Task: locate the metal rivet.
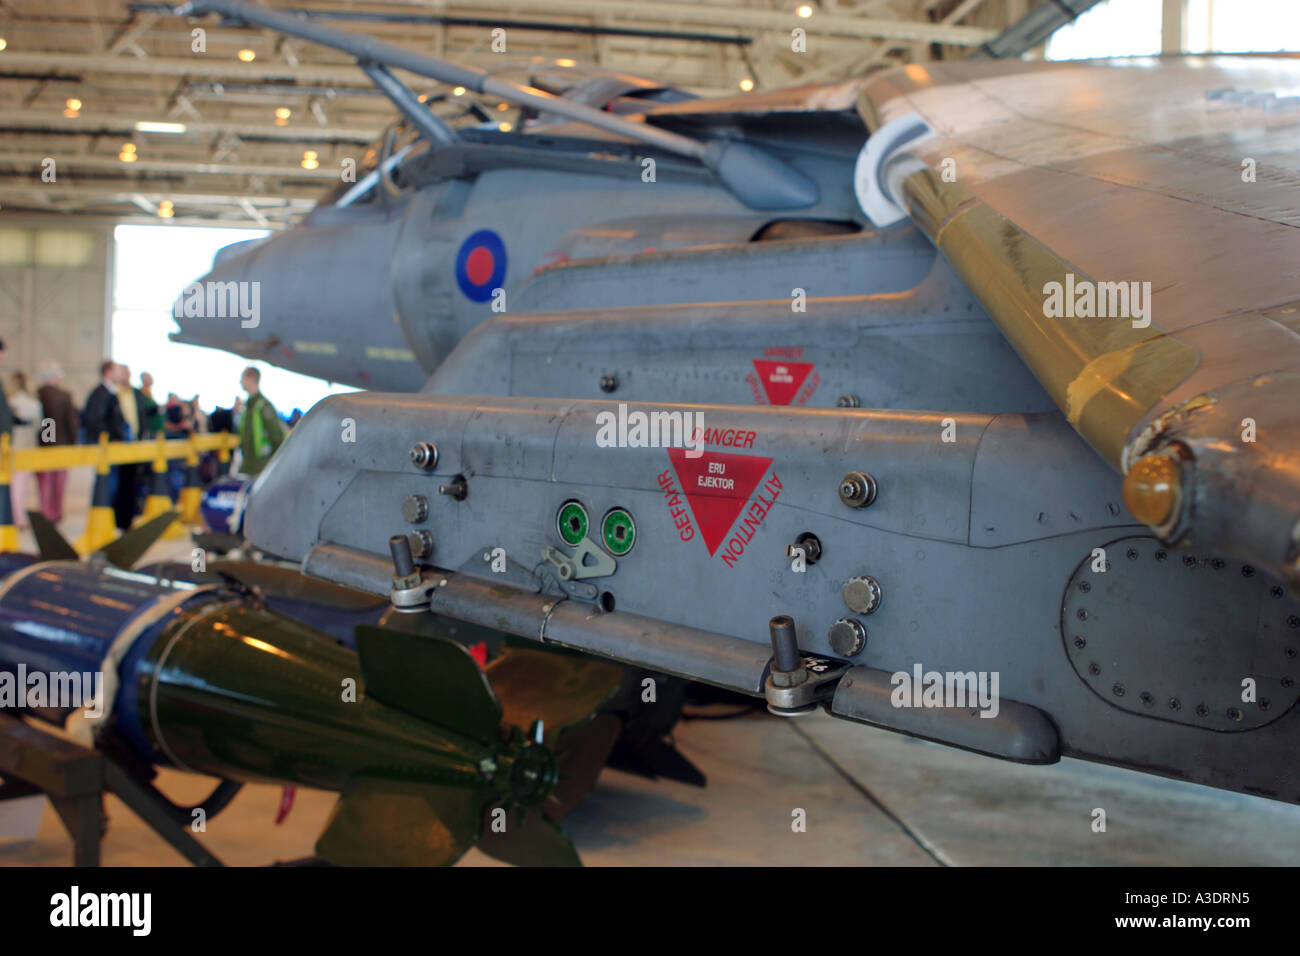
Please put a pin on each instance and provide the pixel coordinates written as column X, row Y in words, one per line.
column 857, row 489
column 424, row 455
column 608, row 383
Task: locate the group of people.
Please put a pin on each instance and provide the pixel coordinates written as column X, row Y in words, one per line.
column 125, row 412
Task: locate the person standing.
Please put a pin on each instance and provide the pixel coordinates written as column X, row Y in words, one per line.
column 6, row 416
column 260, row 430
column 103, row 416
column 27, row 415
column 58, row 427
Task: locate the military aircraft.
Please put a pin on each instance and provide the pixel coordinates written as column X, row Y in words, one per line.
column 1098, row 561
column 1048, row 506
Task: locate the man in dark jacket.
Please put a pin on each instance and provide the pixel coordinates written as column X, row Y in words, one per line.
column 103, row 415
column 103, row 412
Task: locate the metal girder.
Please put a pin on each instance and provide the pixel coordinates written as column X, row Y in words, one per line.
column 732, row 16
column 100, row 124
column 172, row 166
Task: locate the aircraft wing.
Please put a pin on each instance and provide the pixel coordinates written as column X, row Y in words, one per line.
column 1039, row 181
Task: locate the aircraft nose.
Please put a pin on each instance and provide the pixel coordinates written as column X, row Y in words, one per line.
column 223, row 309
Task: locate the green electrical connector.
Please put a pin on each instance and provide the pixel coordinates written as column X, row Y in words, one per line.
column 572, row 522
column 619, row 531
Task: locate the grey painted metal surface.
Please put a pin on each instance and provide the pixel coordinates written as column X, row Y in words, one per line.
column 975, row 542
column 931, row 346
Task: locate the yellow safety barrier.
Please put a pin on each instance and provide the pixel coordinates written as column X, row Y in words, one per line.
column 61, row 457
column 101, row 528
column 8, row 533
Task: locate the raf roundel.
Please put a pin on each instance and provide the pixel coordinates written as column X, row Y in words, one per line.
column 481, row 265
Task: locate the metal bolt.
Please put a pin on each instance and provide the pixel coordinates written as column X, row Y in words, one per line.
column 424, row 455
column 1275, row 591
column 1094, row 668
column 1085, row 587
column 1146, row 698
column 1217, row 564
column 785, row 644
column 608, row 383
column 1118, row 690
column 1293, row 622
column 1189, row 561
column 421, row 543
column 809, row 544
column 1290, row 652
column 848, row 401
column 1202, row 710
column 1264, row 703
column 415, row 508
column 1131, row 554
column 457, row 489
column 857, row 489
column 1287, row 681
column 862, row 594
column 1082, row 614
column 1162, row 555
column 1247, row 571
column 1234, row 713
column 1079, row 642
column 1175, row 704
column 403, row 562
column 848, row 636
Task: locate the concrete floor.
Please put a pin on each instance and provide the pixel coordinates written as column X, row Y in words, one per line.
column 869, row 798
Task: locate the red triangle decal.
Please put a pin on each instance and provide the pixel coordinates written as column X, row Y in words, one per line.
column 781, row 380
column 717, row 485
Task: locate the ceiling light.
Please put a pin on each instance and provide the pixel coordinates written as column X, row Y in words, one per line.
column 165, row 209
column 248, row 56
column 505, row 127
column 803, row 10
column 283, row 113
column 146, row 126
column 309, row 160
column 746, row 84
column 3, row 43
column 458, row 91
column 503, row 106
column 73, row 104
column 565, row 61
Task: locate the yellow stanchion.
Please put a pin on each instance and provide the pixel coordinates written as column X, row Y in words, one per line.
column 101, row 529
column 159, row 500
column 191, row 497
column 8, row 533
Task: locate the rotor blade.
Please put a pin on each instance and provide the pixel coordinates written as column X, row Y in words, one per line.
column 529, row 839
column 559, row 688
column 432, row 678
column 51, row 545
column 581, row 753
column 396, row 823
column 130, row 548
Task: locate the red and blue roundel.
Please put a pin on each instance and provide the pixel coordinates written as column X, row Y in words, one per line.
column 481, row 265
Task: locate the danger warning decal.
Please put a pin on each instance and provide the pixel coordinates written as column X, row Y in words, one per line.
column 718, row 487
column 777, row 380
